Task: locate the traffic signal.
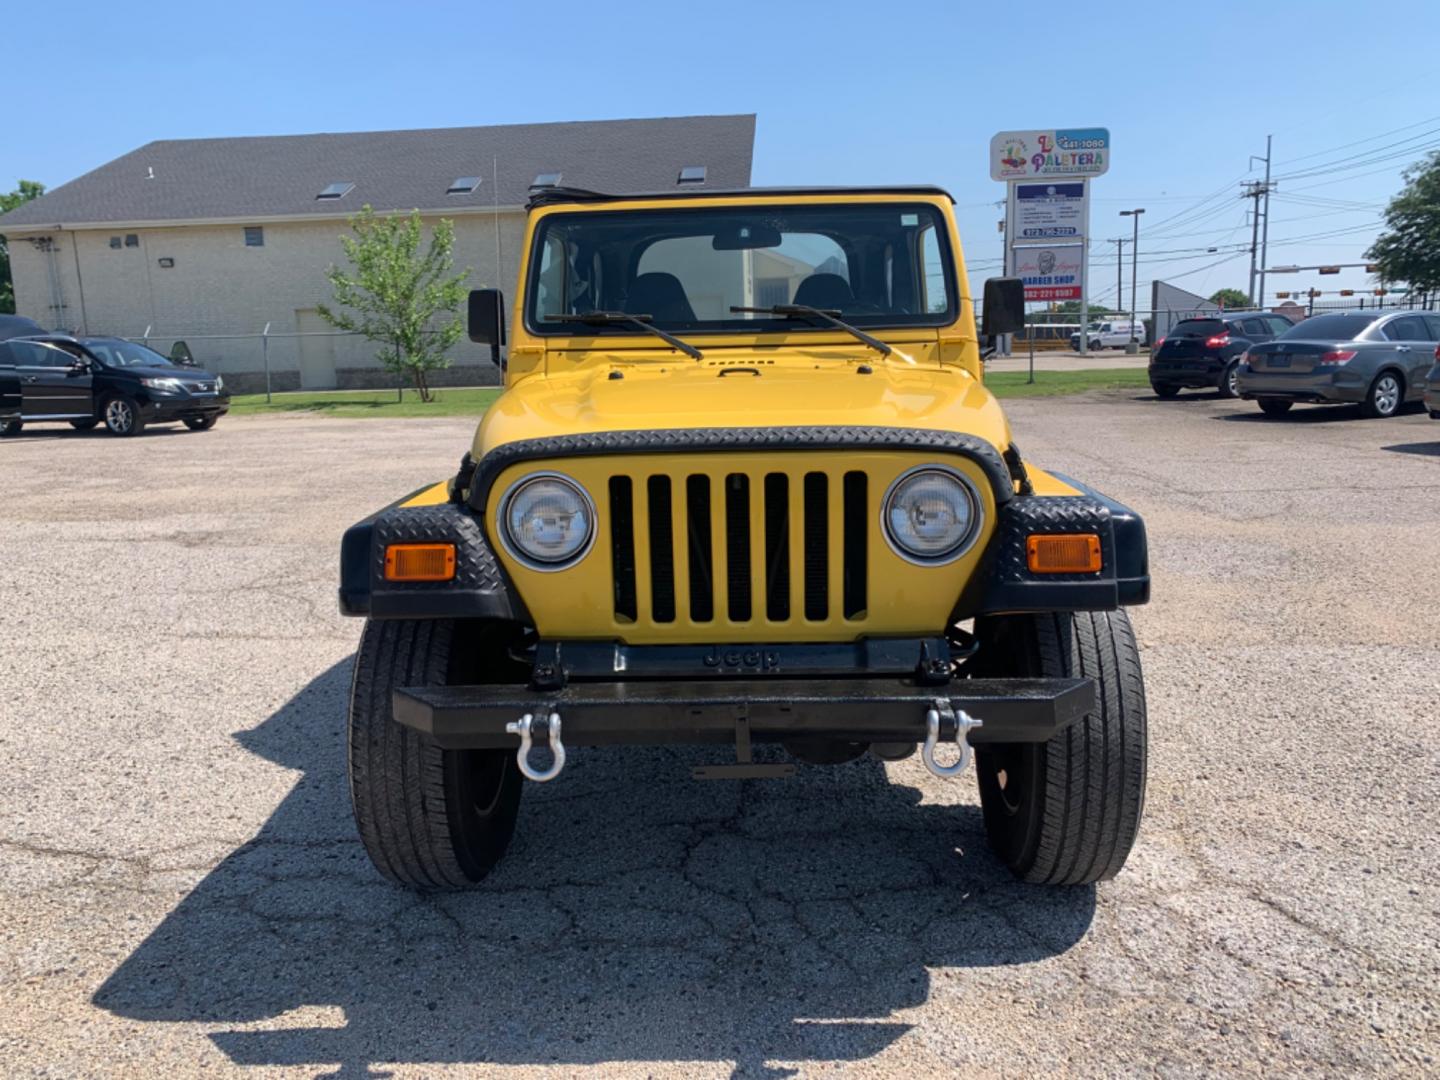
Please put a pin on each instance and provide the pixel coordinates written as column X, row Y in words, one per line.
column 1329, row 269
column 1282, row 296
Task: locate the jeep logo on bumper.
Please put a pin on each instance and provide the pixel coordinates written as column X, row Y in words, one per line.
column 721, row 658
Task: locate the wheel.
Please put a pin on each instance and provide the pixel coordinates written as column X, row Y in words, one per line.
column 1384, row 396
column 1275, row 406
column 1165, row 390
column 10, row 427
column 1096, row 346
column 1230, row 380
column 429, row 818
column 122, row 417
column 203, row 423
column 83, row 425
column 1066, row 811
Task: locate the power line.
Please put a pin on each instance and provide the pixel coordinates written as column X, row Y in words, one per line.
column 1358, row 142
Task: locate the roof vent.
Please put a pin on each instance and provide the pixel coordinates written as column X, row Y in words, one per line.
column 337, row 190
column 691, row 174
column 463, row 185
column 544, row 180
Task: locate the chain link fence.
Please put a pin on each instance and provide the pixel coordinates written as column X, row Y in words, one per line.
column 272, row 362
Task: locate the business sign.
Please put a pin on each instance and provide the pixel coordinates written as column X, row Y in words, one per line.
column 1062, row 152
column 1050, row 272
column 1052, row 211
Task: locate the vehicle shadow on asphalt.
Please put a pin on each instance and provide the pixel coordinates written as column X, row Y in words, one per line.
column 639, row 916
column 1421, row 449
column 45, row 434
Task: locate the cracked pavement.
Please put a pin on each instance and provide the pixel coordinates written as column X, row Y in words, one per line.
column 183, row 889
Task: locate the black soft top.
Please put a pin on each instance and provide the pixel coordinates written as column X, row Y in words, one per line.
column 550, row 196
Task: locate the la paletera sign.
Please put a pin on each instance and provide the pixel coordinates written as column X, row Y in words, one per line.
column 1059, row 152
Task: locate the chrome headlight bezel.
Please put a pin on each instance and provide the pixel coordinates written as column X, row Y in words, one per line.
column 164, row 386
column 967, row 538
column 513, row 547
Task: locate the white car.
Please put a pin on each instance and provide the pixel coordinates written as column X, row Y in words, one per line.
column 1111, row 334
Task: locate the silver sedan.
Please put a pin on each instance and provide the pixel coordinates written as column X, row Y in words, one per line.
column 1378, row 360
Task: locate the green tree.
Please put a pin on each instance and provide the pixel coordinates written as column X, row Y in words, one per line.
column 1409, row 248
column 1230, row 298
column 27, row 190
column 397, row 289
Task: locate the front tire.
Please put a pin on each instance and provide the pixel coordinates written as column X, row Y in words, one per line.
column 122, row 416
column 429, row 818
column 1165, row 391
column 1066, row 811
column 10, row 427
column 83, row 425
column 201, row 423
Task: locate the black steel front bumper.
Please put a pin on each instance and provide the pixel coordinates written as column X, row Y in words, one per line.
column 868, row 710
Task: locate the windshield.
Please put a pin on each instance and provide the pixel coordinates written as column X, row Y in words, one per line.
column 1331, row 327
column 874, row 264
column 119, row 353
column 1198, row 328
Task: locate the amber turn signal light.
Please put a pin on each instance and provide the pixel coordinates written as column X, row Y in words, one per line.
column 1067, row 553
column 419, row 562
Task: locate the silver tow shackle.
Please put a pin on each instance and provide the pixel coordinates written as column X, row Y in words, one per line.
column 522, row 727
column 963, row 723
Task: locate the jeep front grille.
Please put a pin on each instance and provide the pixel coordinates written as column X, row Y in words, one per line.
column 739, row 548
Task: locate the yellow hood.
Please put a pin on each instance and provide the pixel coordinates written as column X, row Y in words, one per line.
column 759, row 389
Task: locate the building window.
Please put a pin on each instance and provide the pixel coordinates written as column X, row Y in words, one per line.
column 254, row 236
column 115, row 242
column 131, row 240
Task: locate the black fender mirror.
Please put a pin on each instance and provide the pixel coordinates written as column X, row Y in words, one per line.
column 487, row 320
column 1003, row 310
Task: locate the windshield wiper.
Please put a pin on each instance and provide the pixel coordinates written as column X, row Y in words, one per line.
column 613, row 318
column 805, row 311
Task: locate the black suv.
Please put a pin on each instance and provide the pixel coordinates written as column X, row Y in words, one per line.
column 1206, row 351
column 85, row 381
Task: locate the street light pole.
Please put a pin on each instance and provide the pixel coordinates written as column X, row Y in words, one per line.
column 1134, row 346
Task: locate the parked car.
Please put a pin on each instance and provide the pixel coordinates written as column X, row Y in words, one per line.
column 1432, row 388
column 1205, row 352
column 84, row 381
column 1378, row 360
column 18, row 326
column 1110, row 334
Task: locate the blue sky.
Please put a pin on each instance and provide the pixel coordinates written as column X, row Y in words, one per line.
column 845, row 92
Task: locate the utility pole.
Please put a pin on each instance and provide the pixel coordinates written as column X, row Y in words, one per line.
column 1265, row 230
column 1120, row 271
column 1134, row 346
column 1256, row 190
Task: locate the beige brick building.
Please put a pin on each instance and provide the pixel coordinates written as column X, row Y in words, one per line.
column 212, row 240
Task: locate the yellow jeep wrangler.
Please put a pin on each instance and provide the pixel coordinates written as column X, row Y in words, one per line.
column 745, row 485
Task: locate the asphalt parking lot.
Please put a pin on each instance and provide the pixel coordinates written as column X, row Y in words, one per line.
column 183, row 889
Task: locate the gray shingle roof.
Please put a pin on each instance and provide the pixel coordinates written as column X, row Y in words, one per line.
column 276, row 176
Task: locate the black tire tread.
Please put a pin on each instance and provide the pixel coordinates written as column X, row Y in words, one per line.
column 396, row 778
column 1093, row 772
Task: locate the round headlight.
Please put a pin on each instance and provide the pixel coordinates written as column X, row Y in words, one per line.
column 548, row 521
column 931, row 514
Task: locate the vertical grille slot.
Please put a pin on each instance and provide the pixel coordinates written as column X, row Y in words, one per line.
column 777, row 547
column 817, row 548
column 855, row 540
column 737, row 547
column 662, row 550
column 622, row 547
column 702, row 561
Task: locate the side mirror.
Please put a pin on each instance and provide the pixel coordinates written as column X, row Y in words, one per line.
column 487, row 320
column 1003, row 311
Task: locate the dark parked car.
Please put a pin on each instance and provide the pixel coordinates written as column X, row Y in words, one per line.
column 1377, row 360
column 18, row 326
column 1206, row 352
column 86, row 381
